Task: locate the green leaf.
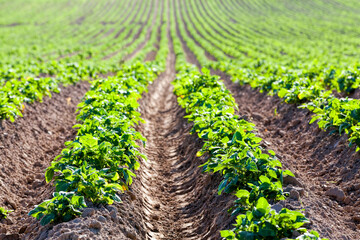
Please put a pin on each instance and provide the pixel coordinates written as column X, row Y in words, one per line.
column 242, row 193
column 49, row 174
column 262, row 203
column 227, row 234
column 288, row 173
column 47, row 219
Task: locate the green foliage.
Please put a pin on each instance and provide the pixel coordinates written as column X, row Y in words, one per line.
column 4, row 213
column 253, row 175
column 64, row 206
column 343, row 115
column 99, row 163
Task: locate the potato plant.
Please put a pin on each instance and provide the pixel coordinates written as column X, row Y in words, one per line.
column 100, row 162
column 248, row 171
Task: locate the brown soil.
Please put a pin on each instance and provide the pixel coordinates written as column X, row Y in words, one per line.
column 27, row 147
column 179, row 193
column 150, row 56
column 320, row 161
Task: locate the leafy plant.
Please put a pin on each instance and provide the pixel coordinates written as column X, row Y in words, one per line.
column 64, row 206
column 4, row 213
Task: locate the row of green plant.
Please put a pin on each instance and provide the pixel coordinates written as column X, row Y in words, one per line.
column 304, row 80
column 308, row 84
column 253, row 174
column 30, row 71
column 99, row 163
column 15, row 92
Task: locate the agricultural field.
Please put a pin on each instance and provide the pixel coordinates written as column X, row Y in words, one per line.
column 180, row 119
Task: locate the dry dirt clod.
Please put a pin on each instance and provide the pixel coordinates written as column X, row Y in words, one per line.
column 356, row 218
column 95, row 224
column 336, row 193
column 9, row 236
column 132, row 196
column 101, row 218
column 11, row 203
column 88, row 212
column 22, row 229
column 113, row 215
column 130, row 235
column 292, row 180
column 277, row 207
column 294, row 194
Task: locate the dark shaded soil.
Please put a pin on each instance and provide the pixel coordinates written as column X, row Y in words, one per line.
column 150, row 56
column 27, row 147
column 320, row 161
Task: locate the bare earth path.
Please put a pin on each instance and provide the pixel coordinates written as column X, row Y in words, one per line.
column 179, row 201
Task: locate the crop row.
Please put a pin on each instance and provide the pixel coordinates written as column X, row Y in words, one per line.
column 253, row 174
column 306, row 83
column 29, row 72
column 100, row 162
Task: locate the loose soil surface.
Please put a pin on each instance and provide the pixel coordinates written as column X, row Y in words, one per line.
column 180, row 202
column 27, row 147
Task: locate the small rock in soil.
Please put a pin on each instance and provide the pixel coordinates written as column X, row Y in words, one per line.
column 11, row 203
column 88, row 212
column 336, row 193
column 295, row 234
column 292, row 180
column 102, row 219
column 22, row 229
column 95, row 224
column 155, row 217
column 294, row 194
column 131, row 235
column 132, row 196
column 277, row 207
column 9, row 237
column 113, row 215
column 257, row 117
column 356, row 218
column 347, row 200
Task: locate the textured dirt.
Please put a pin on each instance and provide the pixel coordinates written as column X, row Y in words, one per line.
column 320, row 161
column 27, row 147
column 179, row 192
